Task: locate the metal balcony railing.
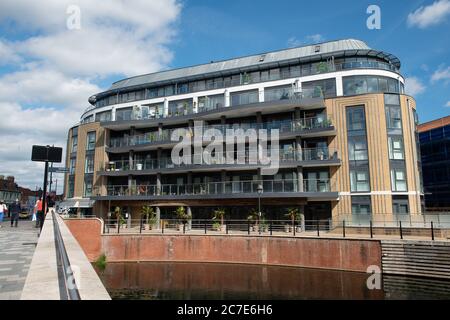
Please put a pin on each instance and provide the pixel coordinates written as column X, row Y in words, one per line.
column 216, row 188
column 248, row 157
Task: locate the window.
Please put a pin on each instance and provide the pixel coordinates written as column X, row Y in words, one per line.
column 277, row 93
column 396, row 148
column 246, row 97
column 367, row 84
column 103, row 116
column 320, row 88
column 180, row 107
column 356, row 118
column 88, row 185
column 361, row 205
column 74, row 143
column 71, row 187
column 72, row 165
column 124, row 114
column 393, row 117
column 398, row 179
column 90, row 140
column 211, row 102
column 357, row 148
column 89, row 164
column 359, row 180
column 400, row 205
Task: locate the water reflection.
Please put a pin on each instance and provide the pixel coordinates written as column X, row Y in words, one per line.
column 231, row 281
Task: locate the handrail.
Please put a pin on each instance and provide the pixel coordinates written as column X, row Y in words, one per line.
column 65, row 273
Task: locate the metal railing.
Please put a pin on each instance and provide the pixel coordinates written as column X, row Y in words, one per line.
column 284, row 126
column 248, row 157
column 216, row 188
column 211, row 226
column 68, row 289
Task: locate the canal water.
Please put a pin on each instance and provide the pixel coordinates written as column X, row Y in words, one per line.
column 162, row 280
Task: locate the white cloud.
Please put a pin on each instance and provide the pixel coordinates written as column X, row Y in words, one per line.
column 55, row 69
column 441, row 74
column 448, row 104
column 414, row 86
column 310, row 39
column 430, row 15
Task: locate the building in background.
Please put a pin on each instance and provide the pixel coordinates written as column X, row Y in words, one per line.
column 9, row 190
column 347, row 137
column 435, row 154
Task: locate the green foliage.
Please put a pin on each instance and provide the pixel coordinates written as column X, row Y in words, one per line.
column 147, row 212
column 219, row 214
column 101, row 262
column 216, row 225
column 253, row 215
column 182, row 214
column 293, row 214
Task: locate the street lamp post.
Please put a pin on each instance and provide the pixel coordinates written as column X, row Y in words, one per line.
column 260, row 191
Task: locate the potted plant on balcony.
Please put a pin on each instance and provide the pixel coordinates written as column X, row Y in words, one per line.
column 219, row 214
column 120, row 220
column 182, row 216
column 185, row 108
column 148, row 216
column 253, row 216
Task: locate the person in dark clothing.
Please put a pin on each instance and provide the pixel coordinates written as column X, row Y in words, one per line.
column 14, row 209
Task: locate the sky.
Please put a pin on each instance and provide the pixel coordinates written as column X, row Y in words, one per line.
column 54, row 54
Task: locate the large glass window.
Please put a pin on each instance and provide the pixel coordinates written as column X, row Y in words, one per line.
column 74, row 144
column 89, row 164
column 90, row 140
column 400, row 205
column 393, row 117
column 103, row 116
column 396, row 150
column 356, row 118
column 244, row 97
column 124, row 114
column 88, row 179
column 357, row 148
column 71, row 186
column 211, row 102
column 320, row 88
column 367, row 84
column 398, row 179
column 73, row 162
column 361, row 205
column 277, row 93
column 359, row 179
column 180, row 107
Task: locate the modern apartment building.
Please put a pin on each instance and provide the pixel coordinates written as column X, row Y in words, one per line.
column 347, row 142
column 434, row 139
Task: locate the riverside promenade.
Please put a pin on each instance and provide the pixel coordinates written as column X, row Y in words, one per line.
column 17, row 246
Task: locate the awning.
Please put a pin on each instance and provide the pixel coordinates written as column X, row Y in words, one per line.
column 77, row 203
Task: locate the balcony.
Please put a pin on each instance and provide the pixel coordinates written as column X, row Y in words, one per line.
column 322, row 188
column 314, row 157
column 210, row 109
column 315, row 126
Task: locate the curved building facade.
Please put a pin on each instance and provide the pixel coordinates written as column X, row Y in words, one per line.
column 346, row 137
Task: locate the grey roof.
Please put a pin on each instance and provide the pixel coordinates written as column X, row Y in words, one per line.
column 305, row 53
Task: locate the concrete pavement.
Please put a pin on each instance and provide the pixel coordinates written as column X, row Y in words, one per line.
column 17, row 246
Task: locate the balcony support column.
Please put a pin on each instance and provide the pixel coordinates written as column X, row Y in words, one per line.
column 158, row 217
column 131, row 160
column 227, row 98
column 166, row 107
column 158, row 184
column 189, row 213
column 160, row 129
column 298, row 147
column 300, row 179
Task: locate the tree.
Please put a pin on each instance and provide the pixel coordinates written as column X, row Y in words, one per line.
column 219, row 214
column 147, row 213
column 293, row 214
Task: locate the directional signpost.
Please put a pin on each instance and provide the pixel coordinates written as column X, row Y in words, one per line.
column 45, row 154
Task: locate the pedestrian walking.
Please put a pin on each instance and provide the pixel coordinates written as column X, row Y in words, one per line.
column 39, row 212
column 3, row 210
column 14, row 210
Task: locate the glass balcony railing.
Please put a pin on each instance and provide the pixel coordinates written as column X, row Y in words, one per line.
column 217, row 188
column 284, row 126
column 246, row 157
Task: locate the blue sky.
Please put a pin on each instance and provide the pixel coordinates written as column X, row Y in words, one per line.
column 48, row 70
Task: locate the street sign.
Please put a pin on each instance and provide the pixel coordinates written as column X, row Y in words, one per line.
column 46, row 153
column 58, row 170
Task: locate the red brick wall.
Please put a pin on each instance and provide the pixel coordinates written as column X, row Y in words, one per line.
column 88, row 234
column 339, row 254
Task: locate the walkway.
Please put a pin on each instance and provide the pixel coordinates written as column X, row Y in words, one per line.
column 17, row 246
